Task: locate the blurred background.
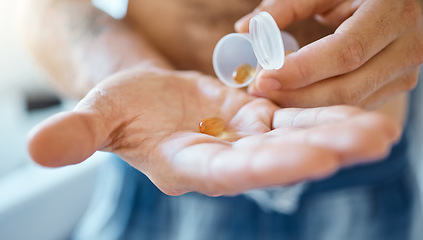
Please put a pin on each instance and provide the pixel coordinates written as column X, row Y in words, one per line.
column 35, row 202
column 40, row 203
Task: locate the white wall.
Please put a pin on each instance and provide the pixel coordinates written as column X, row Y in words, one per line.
column 18, row 74
column 35, row 203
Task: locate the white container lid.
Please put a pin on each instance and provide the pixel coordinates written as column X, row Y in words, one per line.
column 264, row 47
column 267, row 41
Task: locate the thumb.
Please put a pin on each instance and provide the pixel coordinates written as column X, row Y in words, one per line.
column 69, row 137
column 286, row 12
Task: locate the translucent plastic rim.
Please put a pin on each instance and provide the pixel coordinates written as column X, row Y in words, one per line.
column 215, row 62
column 267, row 41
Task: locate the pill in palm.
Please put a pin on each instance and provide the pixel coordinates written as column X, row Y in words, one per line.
column 213, row 126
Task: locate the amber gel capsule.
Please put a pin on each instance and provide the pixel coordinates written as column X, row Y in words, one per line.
column 213, row 126
column 243, row 73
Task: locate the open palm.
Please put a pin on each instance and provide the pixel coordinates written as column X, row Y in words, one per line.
column 151, row 119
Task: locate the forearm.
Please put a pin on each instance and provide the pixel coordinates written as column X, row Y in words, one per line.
column 79, row 45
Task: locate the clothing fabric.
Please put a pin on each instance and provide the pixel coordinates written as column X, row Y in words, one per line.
column 128, row 206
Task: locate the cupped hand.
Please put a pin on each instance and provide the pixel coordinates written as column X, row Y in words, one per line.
column 151, row 119
column 373, row 55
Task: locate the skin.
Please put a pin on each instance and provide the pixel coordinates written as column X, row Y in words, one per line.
column 139, row 104
column 151, row 119
column 373, row 55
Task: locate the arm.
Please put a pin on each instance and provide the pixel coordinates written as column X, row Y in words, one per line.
column 80, row 45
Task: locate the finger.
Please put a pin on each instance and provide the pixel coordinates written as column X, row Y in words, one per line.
column 338, row 14
column 401, row 84
column 183, row 163
column 286, row 12
column 254, row 90
column 309, row 117
column 364, row 138
column 243, row 168
column 196, row 162
column 357, row 40
column 202, row 163
column 359, row 138
column 64, row 139
column 254, row 117
column 69, row 137
column 354, row 87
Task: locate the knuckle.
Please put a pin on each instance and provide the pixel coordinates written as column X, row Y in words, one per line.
column 284, row 100
column 345, row 111
column 214, row 189
column 211, row 190
column 170, row 191
column 416, row 52
column 347, row 96
column 409, row 83
column 419, row 55
column 303, row 74
column 382, row 124
column 379, row 148
column 412, row 12
column 352, row 54
column 259, row 103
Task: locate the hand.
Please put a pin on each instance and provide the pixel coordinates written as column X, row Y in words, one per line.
column 151, row 119
column 373, row 55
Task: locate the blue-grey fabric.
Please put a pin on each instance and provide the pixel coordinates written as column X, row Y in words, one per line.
column 135, row 209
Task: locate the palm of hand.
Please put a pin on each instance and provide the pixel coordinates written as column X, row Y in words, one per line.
column 156, row 127
column 151, row 121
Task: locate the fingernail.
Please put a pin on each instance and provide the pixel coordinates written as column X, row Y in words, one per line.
column 253, row 90
column 268, row 84
column 239, row 24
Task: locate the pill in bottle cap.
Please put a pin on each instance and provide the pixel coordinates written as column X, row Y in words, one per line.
column 263, row 47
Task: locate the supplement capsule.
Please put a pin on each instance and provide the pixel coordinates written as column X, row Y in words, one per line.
column 243, row 73
column 212, row 126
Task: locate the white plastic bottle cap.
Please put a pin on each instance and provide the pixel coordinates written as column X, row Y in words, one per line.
column 263, row 47
column 232, row 51
column 267, row 41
